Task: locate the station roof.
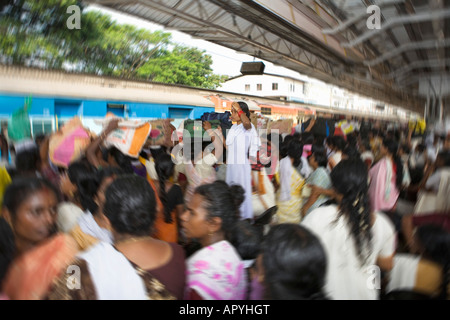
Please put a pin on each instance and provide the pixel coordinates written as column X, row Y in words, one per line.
column 403, row 60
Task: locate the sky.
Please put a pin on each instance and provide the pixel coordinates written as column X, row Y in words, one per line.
column 225, row 61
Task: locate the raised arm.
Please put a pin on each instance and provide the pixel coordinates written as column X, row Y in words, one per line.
column 311, row 125
column 91, row 150
column 216, row 138
column 245, row 120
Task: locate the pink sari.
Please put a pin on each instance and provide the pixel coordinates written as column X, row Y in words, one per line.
column 217, row 272
column 383, row 191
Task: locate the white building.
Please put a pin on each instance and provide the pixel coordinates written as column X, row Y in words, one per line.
column 310, row 91
column 268, row 85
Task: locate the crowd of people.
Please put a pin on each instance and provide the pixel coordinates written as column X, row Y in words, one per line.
column 247, row 216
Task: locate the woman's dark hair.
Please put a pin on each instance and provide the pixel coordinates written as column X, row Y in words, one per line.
column 351, row 152
column 165, row 168
column 130, row 205
column 445, row 156
column 221, row 200
column 21, row 188
column 295, row 151
column 122, row 160
column 284, row 146
column 392, row 147
column 244, row 107
column 435, row 243
column 144, row 155
column 294, row 264
column 366, row 145
column 405, row 147
column 107, row 172
column 339, row 142
column 276, row 140
column 318, row 148
column 349, row 178
column 307, row 138
column 297, row 136
column 247, row 239
column 155, row 152
column 84, row 176
column 27, row 161
column 7, row 248
column 329, row 141
column 321, row 158
column 238, row 195
column 352, row 139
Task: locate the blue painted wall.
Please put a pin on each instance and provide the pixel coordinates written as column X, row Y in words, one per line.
column 68, row 107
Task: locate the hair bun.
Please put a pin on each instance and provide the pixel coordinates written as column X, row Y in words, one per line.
column 238, row 194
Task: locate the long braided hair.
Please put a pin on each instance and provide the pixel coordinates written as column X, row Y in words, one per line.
column 164, row 167
column 350, row 179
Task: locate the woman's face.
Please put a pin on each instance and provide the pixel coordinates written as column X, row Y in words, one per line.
column 194, row 219
column 234, row 115
column 312, row 161
column 35, row 218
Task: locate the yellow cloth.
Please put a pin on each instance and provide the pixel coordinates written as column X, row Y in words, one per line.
column 289, row 211
column 84, row 241
column 418, row 126
column 5, row 181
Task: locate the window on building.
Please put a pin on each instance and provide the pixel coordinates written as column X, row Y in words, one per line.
column 259, row 87
column 274, row 86
column 247, row 87
column 266, row 111
column 41, row 126
column 292, row 87
column 116, row 109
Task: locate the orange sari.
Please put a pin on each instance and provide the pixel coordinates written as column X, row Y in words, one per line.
column 31, row 275
column 162, row 230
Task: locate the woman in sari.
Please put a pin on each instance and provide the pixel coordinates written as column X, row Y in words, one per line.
column 171, row 197
column 78, row 185
column 356, row 239
column 386, row 178
column 41, row 254
column 337, row 145
column 216, row 271
column 136, row 266
column 242, row 143
column 321, row 178
column 94, row 227
column 289, row 197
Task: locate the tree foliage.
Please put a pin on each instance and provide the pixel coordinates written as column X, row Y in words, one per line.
column 34, row 33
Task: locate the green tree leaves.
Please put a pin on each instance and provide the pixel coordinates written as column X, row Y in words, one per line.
column 34, row 33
